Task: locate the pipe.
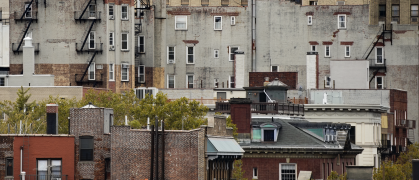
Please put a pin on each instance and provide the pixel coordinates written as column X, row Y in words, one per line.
column 148, row 123
column 152, row 152
column 21, row 156
column 254, row 35
column 162, row 142
column 157, row 148
column 126, row 120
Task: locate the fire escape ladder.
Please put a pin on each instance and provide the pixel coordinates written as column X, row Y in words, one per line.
column 85, row 8
column 373, row 76
column 27, row 9
column 87, row 34
column 380, row 35
column 26, row 144
column 24, row 35
column 87, row 68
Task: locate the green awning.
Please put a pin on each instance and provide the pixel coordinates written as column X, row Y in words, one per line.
column 223, row 146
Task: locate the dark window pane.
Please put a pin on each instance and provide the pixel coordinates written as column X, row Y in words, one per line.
column 9, row 167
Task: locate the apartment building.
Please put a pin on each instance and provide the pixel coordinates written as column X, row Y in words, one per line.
column 81, row 42
column 4, row 40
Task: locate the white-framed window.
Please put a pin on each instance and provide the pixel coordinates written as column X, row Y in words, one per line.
column 190, row 54
column 218, row 23
column 141, row 48
column 327, row 81
column 28, row 13
column 124, row 12
column 379, row 82
column 142, row 92
column 91, row 38
column 124, row 72
column 189, row 81
column 111, row 72
column 124, row 41
column 287, row 171
column 231, row 80
column 313, row 48
column 170, row 81
column 216, row 53
column 327, row 51
column 181, row 22
column 313, row 3
column 111, row 39
column 233, row 20
column 379, row 55
column 110, row 11
column 342, row 21
column 92, row 11
column 215, row 83
column 92, row 71
column 274, row 68
column 141, row 74
column 255, row 173
column 49, row 167
column 231, row 50
column 171, row 54
column 310, row 20
column 347, row 51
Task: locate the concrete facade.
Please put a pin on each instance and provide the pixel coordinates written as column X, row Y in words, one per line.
column 38, row 92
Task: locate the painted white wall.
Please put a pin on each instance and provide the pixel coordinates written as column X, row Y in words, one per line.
column 240, row 70
column 311, row 71
column 342, row 72
column 4, row 45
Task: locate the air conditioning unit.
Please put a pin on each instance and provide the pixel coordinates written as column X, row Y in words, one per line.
column 171, row 61
column 395, row 19
column 125, row 66
column 414, row 19
column 111, row 17
column 403, row 122
column 112, row 48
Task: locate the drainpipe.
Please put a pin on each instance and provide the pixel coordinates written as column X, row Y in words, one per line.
column 254, row 35
column 162, row 142
column 21, row 156
column 157, row 148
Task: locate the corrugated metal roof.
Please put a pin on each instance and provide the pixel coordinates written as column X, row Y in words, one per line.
column 224, row 145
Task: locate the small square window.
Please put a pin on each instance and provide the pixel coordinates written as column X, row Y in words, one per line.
column 233, row 20
column 288, row 171
column 181, row 23
column 215, row 83
column 313, row 3
column 274, row 68
column 218, row 23
column 347, row 51
column 310, row 20
column 327, row 51
column 216, row 53
column 341, row 21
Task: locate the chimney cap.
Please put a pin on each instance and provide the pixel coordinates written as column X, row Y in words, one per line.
column 28, row 41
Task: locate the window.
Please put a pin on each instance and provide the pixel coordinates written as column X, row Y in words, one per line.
column 233, row 20
column 124, row 41
column 231, row 84
column 379, row 82
column 216, row 53
column 49, row 168
column 414, row 10
column 190, row 52
column 111, row 15
column 395, row 10
column 313, row 48
column 215, row 83
column 111, row 72
column 342, row 21
column 255, row 173
column 347, row 51
column 379, row 55
column 92, row 11
column 92, row 71
column 111, row 39
column 274, row 68
column 170, row 81
column 9, row 167
column 327, row 81
column 141, row 74
column 232, row 49
column 86, row 148
column 268, row 135
column 91, row 44
column 310, row 20
column 125, row 72
column 352, row 135
column 170, row 55
column 327, row 51
column 181, row 23
column 28, row 10
column 189, row 81
column 141, row 93
column 382, row 10
column 141, row 44
column 313, row 3
column 288, row 171
column 124, row 12
column 2, row 82
column 218, row 25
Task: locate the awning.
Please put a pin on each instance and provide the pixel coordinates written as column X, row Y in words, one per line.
column 223, row 146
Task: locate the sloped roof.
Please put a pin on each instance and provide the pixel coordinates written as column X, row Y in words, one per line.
column 223, row 146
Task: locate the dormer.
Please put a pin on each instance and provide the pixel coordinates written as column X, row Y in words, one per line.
column 265, row 132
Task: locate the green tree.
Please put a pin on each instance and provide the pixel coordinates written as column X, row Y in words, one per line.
column 335, row 176
column 238, row 172
column 229, row 123
column 64, row 106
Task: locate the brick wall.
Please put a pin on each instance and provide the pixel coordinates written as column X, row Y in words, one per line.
column 289, row 78
column 6, row 144
column 240, row 115
column 131, row 154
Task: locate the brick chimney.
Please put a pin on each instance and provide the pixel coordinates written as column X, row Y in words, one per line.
column 312, row 70
column 52, row 118
column 241, row 115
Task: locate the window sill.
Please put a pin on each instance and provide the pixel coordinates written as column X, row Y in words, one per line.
column 327, row 57
column 342, row 28
column 181, row 29
column 190, row 63
column 347, row 56
column 87, row 162
column 217, row 29
column 125, row 50
column 230, row 60
column 309, row 24
column 124, row 80
column 124, row 19
column 112, row 80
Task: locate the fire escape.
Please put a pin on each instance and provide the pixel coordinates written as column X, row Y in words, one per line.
column 139, row 14
column 88, row 15
column 379, row 62
column 27, row 16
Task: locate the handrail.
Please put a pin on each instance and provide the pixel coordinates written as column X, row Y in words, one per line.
column 372, row 45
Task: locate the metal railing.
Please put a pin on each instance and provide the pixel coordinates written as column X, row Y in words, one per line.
column 89, row 47
column 386, row 144
column 45, row 177
column 264, row 108
column 32, row 15
column 274, row 108
column 377, row 63
column 222, row 107
column 402, row 123
column 15, row 45
column 5, row 21
column 88, row 15
column 98, row 78
column 204, row 101
column 138, row 50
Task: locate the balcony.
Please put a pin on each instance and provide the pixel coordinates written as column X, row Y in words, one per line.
column 265, row 108
column 401, row 123
column 45, row 177
column 385, row 144
column 377, row 63
column 15, row 46
column 87, row 15
column 98, row 79
column 89, row 47
column 28, row 16
column 139, row 50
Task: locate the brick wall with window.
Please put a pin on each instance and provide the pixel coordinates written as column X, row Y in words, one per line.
column 6, row 152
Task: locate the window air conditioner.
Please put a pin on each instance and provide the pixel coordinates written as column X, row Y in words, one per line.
column 171, row 61
column 125, row 66
column 111, row 17
column 112, row 48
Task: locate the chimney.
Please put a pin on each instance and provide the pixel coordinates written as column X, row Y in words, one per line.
column 266, row 81
column 28, row 57
column 312, row 70
column 239, row 69
column 241, row 115
column 52, row 118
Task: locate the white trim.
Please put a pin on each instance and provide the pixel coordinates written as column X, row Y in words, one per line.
column 325, row 50
column 233, row 20
column 221, row 23
column 310, row 20
column 276, row 69
column 111, row 16
column 92, row 67
column 127, row 72
column 382, row 82
column 28, row 12
column 139, row 44
column 230, row 52
column 280, row 170
column 122, row 42
column 187, row 81
column 339, row 27
column 174, row 81
column 382, row 55
column 349, row 52
column 216, row 53
column 122, row 13
column 174, row 54
column 113, row 72
column 193, row 55
column 186, row 23
column 139, row 74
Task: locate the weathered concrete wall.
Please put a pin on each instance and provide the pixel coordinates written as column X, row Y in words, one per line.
column 4, row 44
column 352, row 96
column 342, row 74
column 41, row 93
column 4, row 5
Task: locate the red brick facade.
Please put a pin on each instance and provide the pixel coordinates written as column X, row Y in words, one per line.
column 289, row 78
column 241, row 116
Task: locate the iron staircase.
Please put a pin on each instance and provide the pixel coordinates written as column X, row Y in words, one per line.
column 86, row 70
column 28, row 20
